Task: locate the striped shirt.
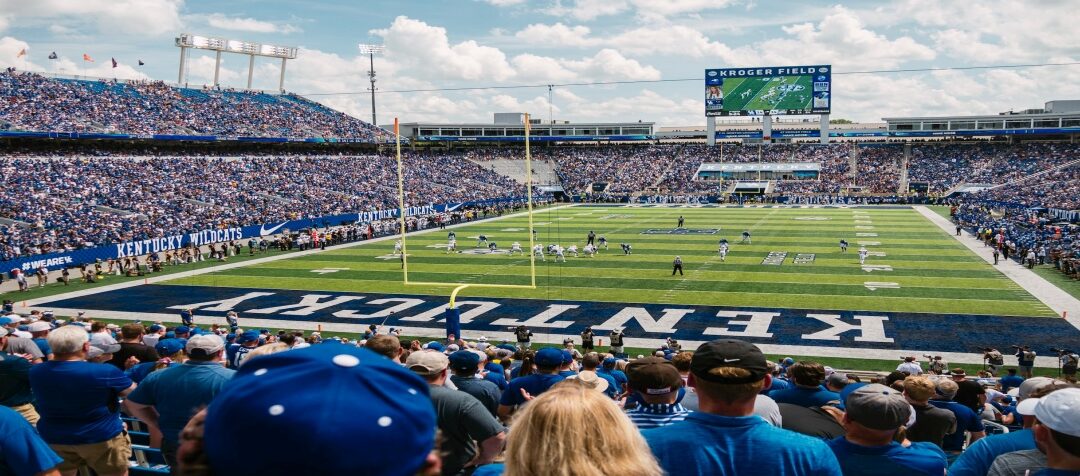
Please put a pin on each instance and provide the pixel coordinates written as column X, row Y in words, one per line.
column 655, row 415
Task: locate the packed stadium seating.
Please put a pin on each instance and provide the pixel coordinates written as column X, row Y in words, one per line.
column 72, row 202
column 37, row 103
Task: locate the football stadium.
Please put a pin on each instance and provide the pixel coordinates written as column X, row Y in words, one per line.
column 202, row 278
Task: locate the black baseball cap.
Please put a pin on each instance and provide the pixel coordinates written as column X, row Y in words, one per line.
column 729, row 353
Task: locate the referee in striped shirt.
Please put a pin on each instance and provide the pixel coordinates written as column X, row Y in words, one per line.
column 655, row 383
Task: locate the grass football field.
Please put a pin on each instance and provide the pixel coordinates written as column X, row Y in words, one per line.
column 929, row 271
column 753, row 93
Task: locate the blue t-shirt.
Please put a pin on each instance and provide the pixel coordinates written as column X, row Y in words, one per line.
column 778, row 384
column 892, row 459
column 966, row 420
column 618, row 375
column 535, row 384
column 78, row 401
column 140, row 371
column 43, row 344
column 179, row 392
column 495, row 375
column 976, row 460
column 493, row 469
column 804, row 397
column 706, row 444
column 1010, row 381
column 21, row 449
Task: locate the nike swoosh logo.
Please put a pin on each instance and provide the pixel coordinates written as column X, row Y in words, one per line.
column 263, row 231
column 455, row 207
column 728, row 361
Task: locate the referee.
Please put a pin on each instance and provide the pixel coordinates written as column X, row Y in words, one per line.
column 676, row 266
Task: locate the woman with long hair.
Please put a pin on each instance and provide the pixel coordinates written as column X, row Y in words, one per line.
column 546, row 438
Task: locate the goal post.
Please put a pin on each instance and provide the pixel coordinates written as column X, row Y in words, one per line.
column 452, row 314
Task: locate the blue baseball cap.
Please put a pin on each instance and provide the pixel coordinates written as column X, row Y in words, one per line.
column 170, row 335
column 155, row 328
column 464, row 361
column 549, row 357
column 248, row 336
column 167, row 347
column 609, row 362
column 434, row 346
column 182, row 330
column 567, row 357
column 360, row 396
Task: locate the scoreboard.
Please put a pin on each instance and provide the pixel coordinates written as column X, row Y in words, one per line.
column 768, row 91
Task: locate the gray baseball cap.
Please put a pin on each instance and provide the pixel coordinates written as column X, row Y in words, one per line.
column 204, row 345
column 878, row 407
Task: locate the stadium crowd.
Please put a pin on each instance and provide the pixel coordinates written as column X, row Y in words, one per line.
column 220, row 399
column 37, row 103
column 71, row 202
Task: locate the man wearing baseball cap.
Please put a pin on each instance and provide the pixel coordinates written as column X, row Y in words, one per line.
column 1056, row 431
column 465, row 364
column 978, row 456
column 460, row 416
column 725, row 437
column 238, row 350
column 547, row 360
column 165, row 400
column 873, row 415
column 263, row 423
column 966, row 419
column 20, row 346
column 656, row 382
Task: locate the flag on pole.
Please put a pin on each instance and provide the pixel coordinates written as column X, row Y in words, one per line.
column 141, row 63
column 53, row 55
column 22, row 53
column 87, row 58
column 113, row 62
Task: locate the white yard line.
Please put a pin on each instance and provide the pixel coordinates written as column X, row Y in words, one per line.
column 213, row 269
column 1052, row 296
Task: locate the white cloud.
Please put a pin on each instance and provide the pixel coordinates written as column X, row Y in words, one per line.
column 504, row 3
column 586, row 10
column 223, row 22
column 841, row 39
column 427, row 47
column 610, row 64
column 114, row 17
column 200, row 70
column 667, row 8
column 556, row 35
column 9, row 51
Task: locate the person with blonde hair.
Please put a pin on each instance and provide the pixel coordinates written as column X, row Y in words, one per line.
column 539, row 444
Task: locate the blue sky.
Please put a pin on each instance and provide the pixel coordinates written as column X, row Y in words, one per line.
column 468, row 43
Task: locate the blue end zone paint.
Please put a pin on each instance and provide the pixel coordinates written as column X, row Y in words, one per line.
column 911, row 331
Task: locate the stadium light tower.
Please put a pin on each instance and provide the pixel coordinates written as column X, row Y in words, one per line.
column 220, row 45
column 370, row 50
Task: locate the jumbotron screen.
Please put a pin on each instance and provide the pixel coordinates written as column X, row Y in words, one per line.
column 768, row 91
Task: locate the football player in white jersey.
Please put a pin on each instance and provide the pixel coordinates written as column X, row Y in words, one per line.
column 451, row 246
column 590, row 251
column 573, row 250
column 538, row 250
column 559, row 253
column 397, row 247
column 723, row 251
column 863, row 253
column 515, row 247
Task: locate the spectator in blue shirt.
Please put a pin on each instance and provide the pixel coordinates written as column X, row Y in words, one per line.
column 609, row 368
column 976, row 460
column 21, row 449
column 1010, row 381
column 1057, row 431
column 40, row 332
column 465, row 364
column 873, row 415
column 725, row 437
column 15, row 390
column 167, row 399
column 547, row 360
column 79, row 406
column 807, row 392
column 967, row 421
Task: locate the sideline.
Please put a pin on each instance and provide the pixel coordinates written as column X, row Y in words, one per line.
column 554, row 339
column 213, row 269
column 1052, row 296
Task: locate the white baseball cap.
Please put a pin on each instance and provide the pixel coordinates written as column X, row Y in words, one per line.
column 1056, row 411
